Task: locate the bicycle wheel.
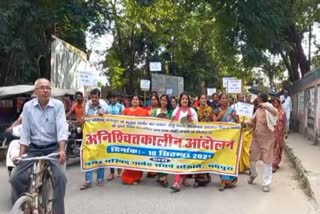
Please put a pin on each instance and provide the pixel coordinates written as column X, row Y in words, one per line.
column 23, row 205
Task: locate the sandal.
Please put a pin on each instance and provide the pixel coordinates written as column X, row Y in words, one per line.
column 110, row 177
column 85, row 186
column 251, row 179
column 195, row 185
column 266, row 189
column 222, row 187
column 163, row 183
column 99, row 183
column 175, row 187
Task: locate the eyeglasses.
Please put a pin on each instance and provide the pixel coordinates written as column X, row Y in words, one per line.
column 44, row 88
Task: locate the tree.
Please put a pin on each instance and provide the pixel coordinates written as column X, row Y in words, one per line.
column 251, row 27
column 170, row 32
column 26, row 29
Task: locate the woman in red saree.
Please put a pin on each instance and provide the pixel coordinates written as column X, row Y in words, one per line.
column 279, row 134
column 130, row 176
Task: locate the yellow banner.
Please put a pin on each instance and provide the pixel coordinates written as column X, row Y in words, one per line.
column 159, row 145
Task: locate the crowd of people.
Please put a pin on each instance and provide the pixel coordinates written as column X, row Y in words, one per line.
column 262, row 135
column 44, row 130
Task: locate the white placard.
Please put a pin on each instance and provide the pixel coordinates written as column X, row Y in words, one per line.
column 155, row 66
column 87, row 78
column 234, row 86
column 225, row 81
column 211, row 91
column 169, row 91
column 145, row 85
column 244, row 109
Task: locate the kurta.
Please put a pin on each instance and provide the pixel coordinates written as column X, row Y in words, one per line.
column 263, row 139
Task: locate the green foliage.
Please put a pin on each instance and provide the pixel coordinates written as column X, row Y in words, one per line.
column 26, row 29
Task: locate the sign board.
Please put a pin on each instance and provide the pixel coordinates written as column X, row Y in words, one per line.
column 244, row 109
column 87, row 78
column 169, row 91
column 211, row 91
column 145, row 85
column 234, row 86
column 155, row 66
column 225, row 81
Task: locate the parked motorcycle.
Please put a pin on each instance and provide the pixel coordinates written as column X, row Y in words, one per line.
column 13, row 149
column 74, row 140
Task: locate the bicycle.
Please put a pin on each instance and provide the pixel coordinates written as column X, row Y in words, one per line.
column 39, row 198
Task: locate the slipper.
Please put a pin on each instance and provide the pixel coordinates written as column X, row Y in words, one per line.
column 85, row 186
column 175, row 188
column 100, row 183
column 110, row 177
column 222, row 187
column 163, row 183
column 266, row 189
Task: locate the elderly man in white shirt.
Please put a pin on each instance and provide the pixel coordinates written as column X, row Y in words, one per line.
column 287, row 107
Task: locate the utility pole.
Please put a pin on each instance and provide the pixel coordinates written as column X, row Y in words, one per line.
column 310, row 38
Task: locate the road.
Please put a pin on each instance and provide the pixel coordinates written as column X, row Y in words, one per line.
column 286, row 196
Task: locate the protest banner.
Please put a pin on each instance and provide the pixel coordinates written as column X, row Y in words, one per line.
column 211, row 91
column 159, row 145
column 234, row 86
column 225, row 81
column 244, row 109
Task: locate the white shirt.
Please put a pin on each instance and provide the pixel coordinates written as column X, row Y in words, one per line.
column 13, row 151
column 286, row 104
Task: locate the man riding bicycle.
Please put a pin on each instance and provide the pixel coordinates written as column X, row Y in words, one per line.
column 44, row 131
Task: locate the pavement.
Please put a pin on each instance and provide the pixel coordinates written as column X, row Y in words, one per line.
column 305, row 156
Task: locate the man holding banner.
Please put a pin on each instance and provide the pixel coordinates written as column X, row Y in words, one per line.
column 114, row 108
column 263, row 122
column 95, row 106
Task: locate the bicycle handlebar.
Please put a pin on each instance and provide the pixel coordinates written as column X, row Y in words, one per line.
column 47, row 157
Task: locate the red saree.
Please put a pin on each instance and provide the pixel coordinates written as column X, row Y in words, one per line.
column 279, row 133
column 133, row 176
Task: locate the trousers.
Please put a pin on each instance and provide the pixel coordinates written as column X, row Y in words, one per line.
column 20, row 177
column 267, row 172
column 100, row 175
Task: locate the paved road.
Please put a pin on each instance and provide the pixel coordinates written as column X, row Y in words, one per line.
column 286, row 196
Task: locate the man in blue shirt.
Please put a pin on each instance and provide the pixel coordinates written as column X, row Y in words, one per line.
column 44, row 131
column 114, row 108
column 95, row 106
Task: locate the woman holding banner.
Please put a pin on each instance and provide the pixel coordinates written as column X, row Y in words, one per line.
column 165, row 112
column 205, row 114
column 244, row 163
column 226, row 114
column 133, row 176
column 185, row 114
column 155, row 103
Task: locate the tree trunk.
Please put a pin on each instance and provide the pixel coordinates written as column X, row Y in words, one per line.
column 297, row 56
column 6, row 68
column 132, row 59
